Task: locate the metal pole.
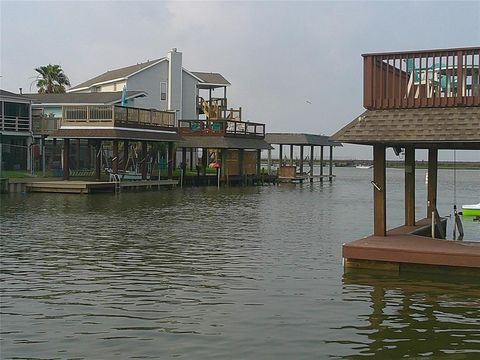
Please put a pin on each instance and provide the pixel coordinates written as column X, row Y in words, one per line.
column 433, row 224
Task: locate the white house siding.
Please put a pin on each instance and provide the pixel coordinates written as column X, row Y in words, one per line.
column 149, row 81
column 189, row 94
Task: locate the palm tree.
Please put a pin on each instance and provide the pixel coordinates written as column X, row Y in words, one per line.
column 51, row 79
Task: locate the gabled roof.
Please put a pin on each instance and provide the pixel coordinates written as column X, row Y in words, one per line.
column 211, row 78
column 452, row 127
column 115, row 74
column 7, row 95
column 84, row 98
column 299, row 139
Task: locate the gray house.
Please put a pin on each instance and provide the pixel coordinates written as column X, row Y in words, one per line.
column 167, row 85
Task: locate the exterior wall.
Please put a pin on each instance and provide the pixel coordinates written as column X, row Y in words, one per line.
column 149, row 81
column 189, row 94
column 232, row 162
column 175, row 78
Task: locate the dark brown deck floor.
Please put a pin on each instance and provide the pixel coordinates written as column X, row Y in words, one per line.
column 400, row 246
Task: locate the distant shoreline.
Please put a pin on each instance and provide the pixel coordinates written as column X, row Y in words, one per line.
column 420, row 164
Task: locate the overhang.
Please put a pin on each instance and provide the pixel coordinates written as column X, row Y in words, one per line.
column 223, row 142
column 116, row 134
column 300, row 139
column 443, row 128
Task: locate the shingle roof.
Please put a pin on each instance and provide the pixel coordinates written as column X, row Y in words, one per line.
column 83, row 98
column 116, row 74
column 13, row 96
column 211, row 78
column 448, row 126
column 299, row 139
column 120, row 134
column 221, row 142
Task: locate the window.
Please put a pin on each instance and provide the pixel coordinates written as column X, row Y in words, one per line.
column 163, row 91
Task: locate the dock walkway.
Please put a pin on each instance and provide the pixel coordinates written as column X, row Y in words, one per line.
column 401, row 250
column 87, row 187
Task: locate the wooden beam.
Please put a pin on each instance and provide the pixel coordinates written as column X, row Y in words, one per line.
column 171, row 160
column 66, row 159
column 259, row 162
column 144, row 160
column 301, row 159
column 432, row 181
column 330, row 165
column 410, row 186
column 184, row 160
column 98, row 159
column 191, row 159
column 280, row 156
column 379, row 191
column 125, row 154
column 240, row 165
column 115, row 157
column 312, row 154
column 321, row 163
column 291, row 155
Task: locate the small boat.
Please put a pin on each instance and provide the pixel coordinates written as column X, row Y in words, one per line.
column 471, row 210
column 364, row 166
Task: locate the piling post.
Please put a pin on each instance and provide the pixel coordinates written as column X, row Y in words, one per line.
column 66, row 159
column 312, row 154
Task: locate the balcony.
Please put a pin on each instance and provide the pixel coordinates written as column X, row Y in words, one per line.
column 417, row 79
column 221, row 128
column 15, row 123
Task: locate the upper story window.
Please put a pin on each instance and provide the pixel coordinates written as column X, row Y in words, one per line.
column 96, row 89
column 163, row 91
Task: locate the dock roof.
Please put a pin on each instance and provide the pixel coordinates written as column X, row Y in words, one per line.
column 300, row 139
column 117, row 134
column 453, row 127
column 223, row 142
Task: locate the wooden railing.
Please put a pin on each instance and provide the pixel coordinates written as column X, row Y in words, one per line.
column 15, row 123
column 434, row 78
column 45, row 125
column 216, row 108
column 221, row 128
column 114, row 115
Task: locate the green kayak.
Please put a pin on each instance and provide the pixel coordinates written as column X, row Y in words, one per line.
column 471, row 210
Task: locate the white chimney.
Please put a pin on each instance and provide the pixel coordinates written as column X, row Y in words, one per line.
column 175, row 82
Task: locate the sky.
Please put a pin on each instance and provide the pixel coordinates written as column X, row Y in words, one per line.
column 295, row 66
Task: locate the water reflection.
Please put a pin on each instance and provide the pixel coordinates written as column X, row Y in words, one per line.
column 412, row 318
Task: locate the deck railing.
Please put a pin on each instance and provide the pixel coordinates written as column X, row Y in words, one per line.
column 221, row 128
column 435, row 78
column 15, row 123
column 45, row 125
column 114, row 115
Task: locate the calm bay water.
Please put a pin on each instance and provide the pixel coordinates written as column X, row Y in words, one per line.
column 238, row 273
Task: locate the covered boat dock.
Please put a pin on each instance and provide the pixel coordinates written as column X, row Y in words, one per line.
column 291, row 171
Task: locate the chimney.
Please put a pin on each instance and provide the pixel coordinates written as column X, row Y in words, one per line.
column 21, row 93
column 174, row 96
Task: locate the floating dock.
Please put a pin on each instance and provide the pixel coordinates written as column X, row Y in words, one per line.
column 87, row 187
column 404, row 249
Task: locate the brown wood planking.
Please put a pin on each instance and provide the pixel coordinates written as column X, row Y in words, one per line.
column 379, row 195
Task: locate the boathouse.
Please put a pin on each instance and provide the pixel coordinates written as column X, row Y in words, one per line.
column 416, row 100
column 226, row 140
column 290, row 170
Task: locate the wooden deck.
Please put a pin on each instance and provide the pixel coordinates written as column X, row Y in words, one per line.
column 299, row 179
column 402, row 250
column 87, row 187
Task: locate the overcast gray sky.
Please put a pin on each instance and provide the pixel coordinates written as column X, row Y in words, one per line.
column 277, row 55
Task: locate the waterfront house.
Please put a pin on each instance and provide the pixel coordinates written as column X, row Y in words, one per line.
column 203, row 117
column 415, row 100
column 16, row 132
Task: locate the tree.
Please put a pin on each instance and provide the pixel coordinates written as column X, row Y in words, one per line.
column 51, row 79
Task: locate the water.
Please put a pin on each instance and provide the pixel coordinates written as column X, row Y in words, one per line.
column 238, row 273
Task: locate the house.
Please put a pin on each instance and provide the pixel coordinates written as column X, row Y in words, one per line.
column 416, row 100
column 16, row 132
column 210, row 128
column 167, row 85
